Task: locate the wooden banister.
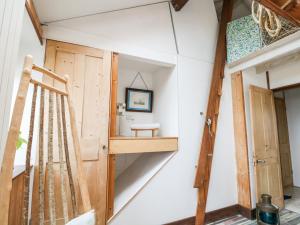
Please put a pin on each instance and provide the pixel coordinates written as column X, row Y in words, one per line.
column 81, row 176
column 49, row 73
column 48, row 87
column 6, row 172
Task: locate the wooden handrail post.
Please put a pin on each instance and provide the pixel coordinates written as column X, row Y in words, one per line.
column 6, row 172
column 81, row 176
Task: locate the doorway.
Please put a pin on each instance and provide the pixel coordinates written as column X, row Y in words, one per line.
column 275, row 128
column 287, row 104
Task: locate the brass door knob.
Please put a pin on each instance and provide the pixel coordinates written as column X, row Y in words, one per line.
column 260, row 161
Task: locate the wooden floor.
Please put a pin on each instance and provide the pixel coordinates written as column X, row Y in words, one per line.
column 287, row 217
column 293, row 204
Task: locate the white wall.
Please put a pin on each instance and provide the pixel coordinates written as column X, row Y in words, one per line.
column 170, row 195
column 11, row 12
column 285, row 74
column 165, row 86
column 126, row 77
column 135, row 177
column 292, row 99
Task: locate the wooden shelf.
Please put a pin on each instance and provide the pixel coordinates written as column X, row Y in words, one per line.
column 123, row 145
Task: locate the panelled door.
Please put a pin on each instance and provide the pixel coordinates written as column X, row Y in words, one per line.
column 265, row 145
column 89, row 74
column 284, row 146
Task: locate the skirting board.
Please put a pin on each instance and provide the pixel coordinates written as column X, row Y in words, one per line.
column 219, row 214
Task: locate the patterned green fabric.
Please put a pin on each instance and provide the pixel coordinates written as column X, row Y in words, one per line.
column 243, row 37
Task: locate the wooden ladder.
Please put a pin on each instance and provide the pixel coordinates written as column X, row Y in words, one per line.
column 6, row 172
column 209, row 133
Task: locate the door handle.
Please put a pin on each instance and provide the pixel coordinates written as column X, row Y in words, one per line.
column 260, row 161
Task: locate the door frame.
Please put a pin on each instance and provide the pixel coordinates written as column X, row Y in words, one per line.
column 241, row 139
column 241, row 142
column 111, row 170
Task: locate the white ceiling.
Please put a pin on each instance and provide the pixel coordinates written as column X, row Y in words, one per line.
column 137, row 28
column 241, row 8
column 137, row 64
column 52, row 10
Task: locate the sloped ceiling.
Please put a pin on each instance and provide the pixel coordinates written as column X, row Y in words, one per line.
column 241, row 8
column 53, row 10
column 125, row 26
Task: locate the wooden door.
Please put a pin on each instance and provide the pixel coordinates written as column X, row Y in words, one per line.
column 265, row 145
column 284, row 146
column 89, row 76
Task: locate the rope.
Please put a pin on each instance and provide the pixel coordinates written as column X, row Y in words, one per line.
column 71, row 182
column 266, row 19
column 61, row 162
column 41, row 159
column 28, row 157
column 136, row 76
column 52, row 214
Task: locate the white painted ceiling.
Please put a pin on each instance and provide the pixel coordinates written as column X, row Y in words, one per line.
column 241, row 8
column 139, row 28
column 130, row 63
column 52, row 10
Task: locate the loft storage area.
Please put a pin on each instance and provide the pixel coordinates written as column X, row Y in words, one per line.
column 255, row 28
column 260, row 31
column 146, row 124
column 246, row 37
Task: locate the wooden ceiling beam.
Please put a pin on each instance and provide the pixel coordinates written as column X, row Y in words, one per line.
column 34, row 19
column 283, row 11
column 178, row 4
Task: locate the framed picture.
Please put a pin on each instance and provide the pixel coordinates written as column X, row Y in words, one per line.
column 139, row 100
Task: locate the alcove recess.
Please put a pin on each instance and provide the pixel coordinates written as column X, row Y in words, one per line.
column 134, row 160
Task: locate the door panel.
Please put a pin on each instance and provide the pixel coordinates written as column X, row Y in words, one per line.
column 89, row 75
column 284, row 146
column 265, row 145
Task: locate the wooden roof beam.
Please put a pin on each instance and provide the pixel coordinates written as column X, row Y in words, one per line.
column 34, row 19
column 280, row 10
column 178, row 4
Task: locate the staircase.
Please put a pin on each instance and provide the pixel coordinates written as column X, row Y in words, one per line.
column 56, row 111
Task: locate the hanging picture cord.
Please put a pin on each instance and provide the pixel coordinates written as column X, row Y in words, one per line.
column 136, row 76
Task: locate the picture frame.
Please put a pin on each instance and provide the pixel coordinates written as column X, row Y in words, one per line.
column 139, row 100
